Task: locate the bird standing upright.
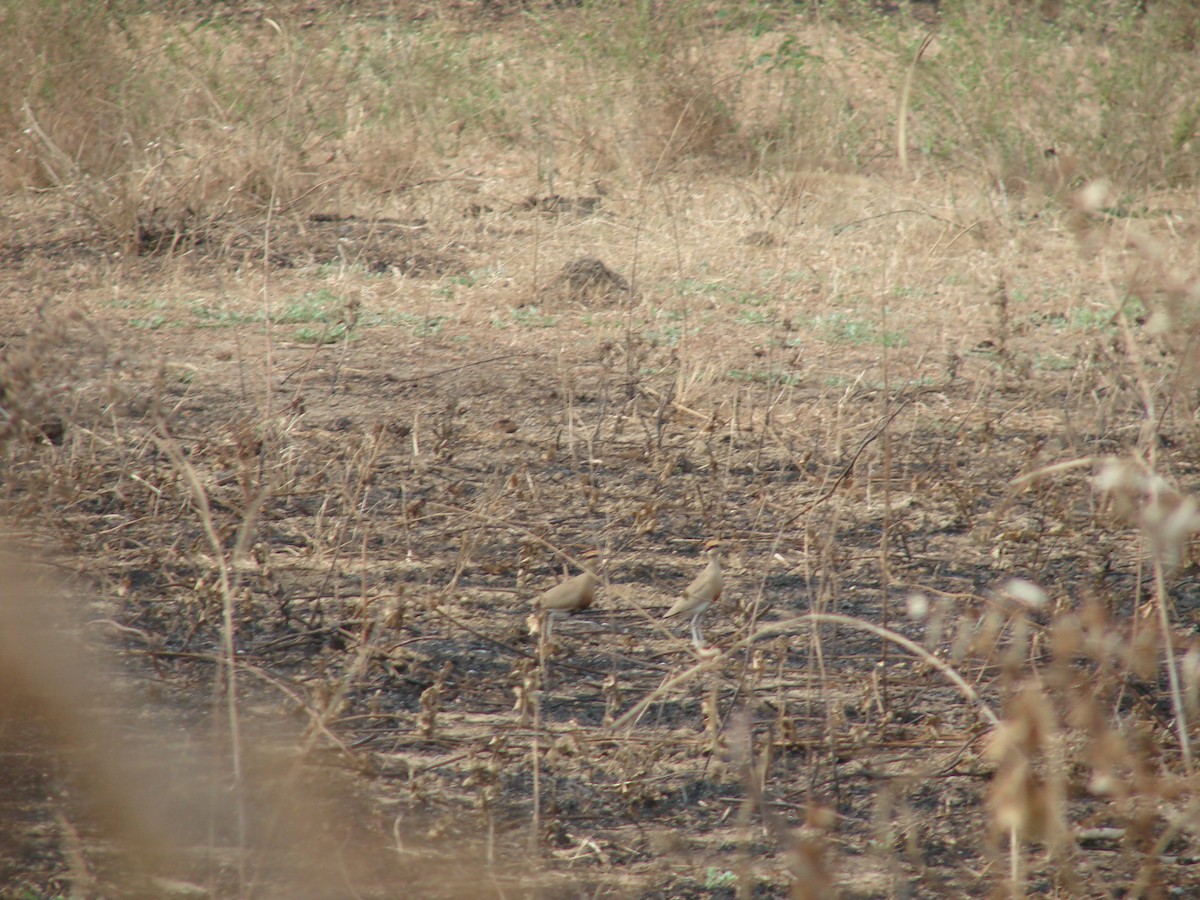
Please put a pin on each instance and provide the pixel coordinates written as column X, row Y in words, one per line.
column 703, row 592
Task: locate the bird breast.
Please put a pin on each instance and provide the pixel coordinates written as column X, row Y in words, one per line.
column 704, row 590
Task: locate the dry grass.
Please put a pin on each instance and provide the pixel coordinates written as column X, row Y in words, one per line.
column 303, row 400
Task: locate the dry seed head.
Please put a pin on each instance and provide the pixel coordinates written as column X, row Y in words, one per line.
column 533, row 624
column 1145, row 497
column 1110, row 477
column 963, row 640
column 1017, row 651
column 758, row 667
column 1179, row 526
column 1118, row 475
column 1066, row 638
column 811, row 878
column 1107, row 754
column 611, row 690
column 1092, row 197
column 1140, row 654
column 1028, row 794
column 1160, row 322
column 1025, row 592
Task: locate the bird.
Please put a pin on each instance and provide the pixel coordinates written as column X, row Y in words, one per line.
column 703, row 592
column 570, row 596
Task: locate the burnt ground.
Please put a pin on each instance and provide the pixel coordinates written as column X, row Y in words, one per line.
column 386, row 484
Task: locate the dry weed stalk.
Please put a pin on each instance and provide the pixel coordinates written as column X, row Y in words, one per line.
column 807, row 622
column 1168, row 519
column 905, row 100
column 1028, row 795
column 224, row 566
column 431, row 701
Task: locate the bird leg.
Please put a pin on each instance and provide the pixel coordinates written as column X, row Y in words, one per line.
column 543, row 669
column 697, row 635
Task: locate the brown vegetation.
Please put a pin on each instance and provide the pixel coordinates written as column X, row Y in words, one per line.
column 334, row 335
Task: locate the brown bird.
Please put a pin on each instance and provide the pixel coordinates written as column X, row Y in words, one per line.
column 703, row 592
column 570, row 596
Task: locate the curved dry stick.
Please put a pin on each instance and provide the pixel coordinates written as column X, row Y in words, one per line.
column 810, row 619
column 905, row 99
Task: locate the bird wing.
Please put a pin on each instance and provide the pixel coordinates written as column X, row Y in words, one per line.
column 704, row 589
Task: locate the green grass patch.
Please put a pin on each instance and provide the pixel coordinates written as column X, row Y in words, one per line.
column 422, row 326
column 524, row 317
column 448, row 287
column 149, row 323
column 321, row 314
column 321, row 305
column 1054, row 362
column 329, row 334
column 772, row 376
column 754, row 317
column 1117, row 92
column 1098, row 319
column 844, row 328
column 718, row 290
